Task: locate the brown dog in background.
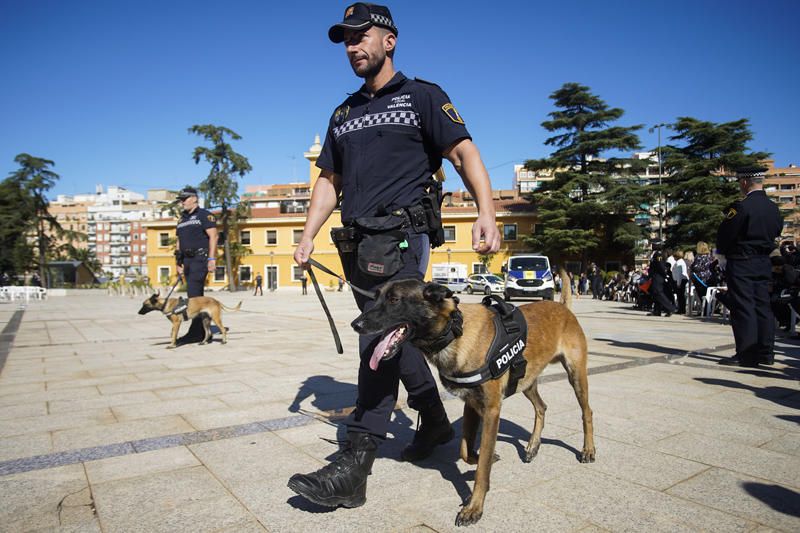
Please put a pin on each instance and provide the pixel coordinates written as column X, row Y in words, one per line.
column 411, row 310
column 211, row 308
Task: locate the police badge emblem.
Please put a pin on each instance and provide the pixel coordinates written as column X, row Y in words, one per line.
column 340, row 115
column 211, row 218
column 450, row 110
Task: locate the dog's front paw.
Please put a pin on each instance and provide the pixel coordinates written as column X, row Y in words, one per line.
column 172, row 346
column 587, row 456
column 468, row 516
column 530, row 454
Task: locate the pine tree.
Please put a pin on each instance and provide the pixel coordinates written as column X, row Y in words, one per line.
column 589, row 205
column 220, row 187
column 701, row 166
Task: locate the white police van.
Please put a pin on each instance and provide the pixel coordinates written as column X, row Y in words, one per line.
column 529, row 276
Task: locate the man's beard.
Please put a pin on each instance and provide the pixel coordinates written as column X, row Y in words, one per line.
column 371, row 69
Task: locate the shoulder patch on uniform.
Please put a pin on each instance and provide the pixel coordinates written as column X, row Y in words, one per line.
column 451, row 112
column 730, row 213
column 340, row 115
column 211, row 218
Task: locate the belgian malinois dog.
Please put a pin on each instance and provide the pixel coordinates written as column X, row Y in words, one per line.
column 418, row 312
column 211, row 309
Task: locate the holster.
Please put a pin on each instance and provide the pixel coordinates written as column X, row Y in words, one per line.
column 179, row 257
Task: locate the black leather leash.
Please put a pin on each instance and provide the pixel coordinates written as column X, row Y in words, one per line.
column 166, row 299
column 325, row 269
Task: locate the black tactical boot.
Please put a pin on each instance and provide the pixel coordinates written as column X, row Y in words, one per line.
column 196, row 332
column 434, row 430
column 344, row 481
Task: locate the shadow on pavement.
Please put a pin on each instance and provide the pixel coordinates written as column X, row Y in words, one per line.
column 779, row 498
column 779, row 395
column 329, row 394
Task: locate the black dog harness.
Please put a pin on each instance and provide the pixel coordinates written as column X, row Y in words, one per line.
column 505, row 353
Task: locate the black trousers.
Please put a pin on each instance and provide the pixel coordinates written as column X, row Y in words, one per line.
column 751, row 315
column 378, row 389
column 195, row 270
column 660, row 300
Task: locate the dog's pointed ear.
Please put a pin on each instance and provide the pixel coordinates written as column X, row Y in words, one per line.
column 433, row 292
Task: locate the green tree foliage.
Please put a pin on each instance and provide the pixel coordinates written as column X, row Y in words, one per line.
column 35, row 227
column 220, row 187
column 701, row 164
column 589, row 205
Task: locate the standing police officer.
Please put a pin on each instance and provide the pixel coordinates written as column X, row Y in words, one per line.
column 746, row 237
column 196, row 249
column 382, row 146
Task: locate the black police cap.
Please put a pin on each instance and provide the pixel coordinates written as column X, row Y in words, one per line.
column 751, row 172
column 186, row 192
column 361, row 17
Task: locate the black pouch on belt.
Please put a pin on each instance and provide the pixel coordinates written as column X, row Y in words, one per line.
column 379, row 251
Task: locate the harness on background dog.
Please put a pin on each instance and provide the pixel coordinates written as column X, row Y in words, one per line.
column 505, row 353
column 166, row 299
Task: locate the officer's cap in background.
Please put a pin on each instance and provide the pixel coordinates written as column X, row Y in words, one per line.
column 752, row 173
column 361, row 17
column 186, row 192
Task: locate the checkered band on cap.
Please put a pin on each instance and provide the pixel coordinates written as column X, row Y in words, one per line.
column 751, row 173
column 398, row 118
column 383, row 20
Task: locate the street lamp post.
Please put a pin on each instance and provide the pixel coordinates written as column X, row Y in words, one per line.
column 271, row 271
column 660, row 200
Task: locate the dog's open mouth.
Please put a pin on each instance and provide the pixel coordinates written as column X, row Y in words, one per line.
column 389, row 344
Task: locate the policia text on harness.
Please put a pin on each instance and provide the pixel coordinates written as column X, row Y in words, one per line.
column 506, row 352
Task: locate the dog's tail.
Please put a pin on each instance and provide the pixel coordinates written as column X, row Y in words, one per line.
column 231, row 309
column 566, row 288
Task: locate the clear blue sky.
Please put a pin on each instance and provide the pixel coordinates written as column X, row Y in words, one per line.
column 108, row 89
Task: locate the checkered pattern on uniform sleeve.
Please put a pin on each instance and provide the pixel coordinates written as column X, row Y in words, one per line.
column 399, row 118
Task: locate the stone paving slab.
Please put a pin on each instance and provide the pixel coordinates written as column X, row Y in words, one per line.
column 134, row 437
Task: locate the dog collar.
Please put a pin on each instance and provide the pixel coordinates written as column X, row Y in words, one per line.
column 453, row 330
column 505, row 352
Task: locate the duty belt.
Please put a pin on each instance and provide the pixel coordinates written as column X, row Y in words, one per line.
column 192, row 252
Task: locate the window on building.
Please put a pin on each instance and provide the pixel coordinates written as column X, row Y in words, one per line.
column 163, row 240
column 479, row 268
column 296, row 236
column 244, row 273
column 135, row 247
column 219, row 273
column 449, row 233
column 163, row 275
column 244, row 236
column 272, row 237
column 297, row 273
column 509, row 232
column 135, row 258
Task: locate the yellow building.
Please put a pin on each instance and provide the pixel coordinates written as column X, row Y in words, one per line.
column 271, row 237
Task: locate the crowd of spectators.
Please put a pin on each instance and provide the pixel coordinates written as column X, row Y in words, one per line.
column 685, row 271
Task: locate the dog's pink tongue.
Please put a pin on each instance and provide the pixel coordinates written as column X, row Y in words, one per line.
column 380, row 349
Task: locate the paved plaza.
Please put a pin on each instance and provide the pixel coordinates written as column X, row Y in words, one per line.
column 103, row 429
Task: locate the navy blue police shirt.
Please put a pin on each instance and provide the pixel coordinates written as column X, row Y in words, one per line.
column 386, row 146
column 192, row 229
column 750, row 227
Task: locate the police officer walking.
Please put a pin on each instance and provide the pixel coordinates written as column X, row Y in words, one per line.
column 383, row 145
column 195, row 255
column 746, row 237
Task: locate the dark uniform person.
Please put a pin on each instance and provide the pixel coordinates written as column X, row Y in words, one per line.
column 746, row 237
column 197, row 246
column 658, row 274
column 383, row 145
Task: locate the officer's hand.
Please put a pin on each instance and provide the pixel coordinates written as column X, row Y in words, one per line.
column 180, row 269
column 487, row 228
column 212, row 265
column 303, row 251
